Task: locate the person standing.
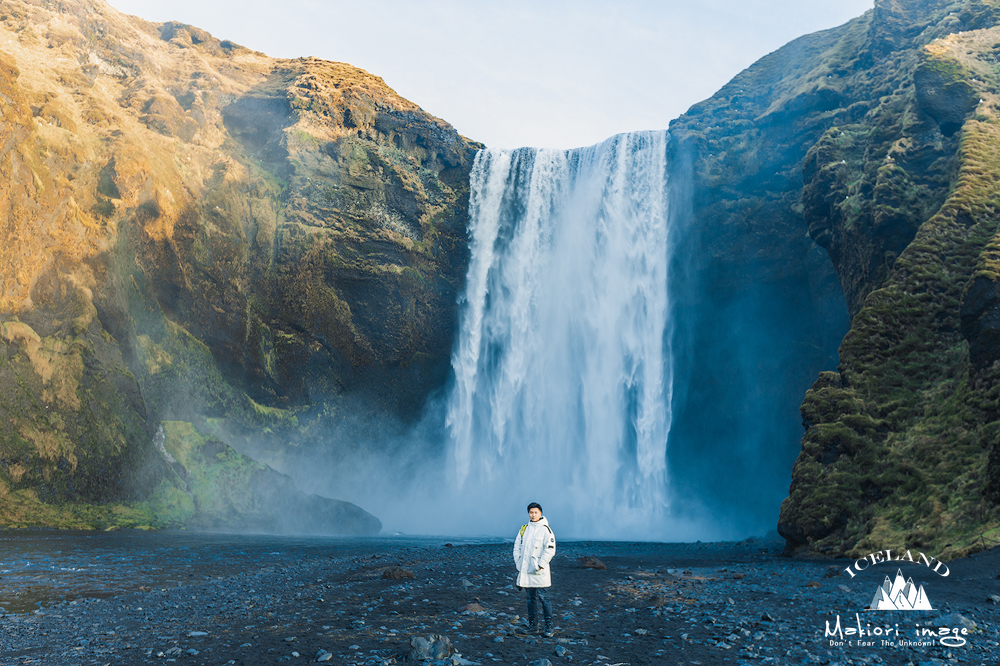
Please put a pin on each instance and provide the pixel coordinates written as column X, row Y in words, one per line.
column 534, row 547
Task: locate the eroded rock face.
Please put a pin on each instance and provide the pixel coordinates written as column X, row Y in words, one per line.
column 191, row 230
column 880, row 139
column 898, row 445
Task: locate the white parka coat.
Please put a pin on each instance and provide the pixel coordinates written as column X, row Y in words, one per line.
column 534, row 547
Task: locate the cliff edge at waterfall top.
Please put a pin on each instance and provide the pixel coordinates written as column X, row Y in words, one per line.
column 196, row 235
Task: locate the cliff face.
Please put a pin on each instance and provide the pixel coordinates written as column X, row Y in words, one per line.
column 883, row 133
column 199, row 243
column 192, row 231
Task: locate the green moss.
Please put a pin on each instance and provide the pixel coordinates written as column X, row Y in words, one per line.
column 217, row 485
column 949, row 68
column 273, row 417
column 166, row 508
column 914, row 425
column 220, row 481
column 305, row 138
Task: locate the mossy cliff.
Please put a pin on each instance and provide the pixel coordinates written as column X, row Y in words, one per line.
column 193, row 231
column 884, row 134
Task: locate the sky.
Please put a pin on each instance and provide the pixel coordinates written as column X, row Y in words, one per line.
column 512, row 73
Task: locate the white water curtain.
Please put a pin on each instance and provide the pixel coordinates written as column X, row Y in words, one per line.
column 563, row 372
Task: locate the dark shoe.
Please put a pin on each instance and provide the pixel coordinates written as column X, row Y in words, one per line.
column 548, row 632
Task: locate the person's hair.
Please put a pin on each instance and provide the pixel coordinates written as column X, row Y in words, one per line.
column 535, row 505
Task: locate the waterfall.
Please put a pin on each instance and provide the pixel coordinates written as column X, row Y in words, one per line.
column 563, row 369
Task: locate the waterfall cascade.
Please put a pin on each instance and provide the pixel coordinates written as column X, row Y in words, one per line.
column 563, row 369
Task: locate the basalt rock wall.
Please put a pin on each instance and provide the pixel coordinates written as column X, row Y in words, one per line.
column 879, row 141
column 191, row 231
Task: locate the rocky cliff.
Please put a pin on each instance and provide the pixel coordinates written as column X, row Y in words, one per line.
column 202, row 246
column 880, row 139
column 191, row 231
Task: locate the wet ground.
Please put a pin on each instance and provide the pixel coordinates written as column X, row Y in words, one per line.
column 140, row 598
column 40, row 567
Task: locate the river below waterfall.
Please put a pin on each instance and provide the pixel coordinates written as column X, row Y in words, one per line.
column 209, row 599
column 42, row 567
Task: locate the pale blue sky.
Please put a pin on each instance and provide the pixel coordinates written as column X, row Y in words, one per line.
column 509, row 73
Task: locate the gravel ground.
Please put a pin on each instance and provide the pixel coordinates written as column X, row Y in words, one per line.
column 738, row 603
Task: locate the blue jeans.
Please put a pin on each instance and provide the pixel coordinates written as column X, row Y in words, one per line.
column 539, row 593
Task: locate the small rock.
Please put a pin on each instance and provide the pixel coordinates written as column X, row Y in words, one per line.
column 323, row 655
column 994, row 599
column 429, row 648
column 354, row 647
column 737, row 576
column 498, row 639
column 290, row 639
column 588, row 562
column 955, row 620
column 641, row 632
column 813, row 583
column 197, row 633
column 540, row 662
column 658, row 600
column 473, row 608
column 560, row 651
column 766, row 617
column 393, row 573
column 832, row 572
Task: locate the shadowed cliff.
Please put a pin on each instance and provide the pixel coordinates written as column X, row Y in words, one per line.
column 193, row 231
column 880, row 140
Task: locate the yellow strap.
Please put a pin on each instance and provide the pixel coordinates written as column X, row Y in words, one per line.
column 523, row 527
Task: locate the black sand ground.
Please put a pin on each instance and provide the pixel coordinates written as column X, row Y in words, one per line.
column 655, row 604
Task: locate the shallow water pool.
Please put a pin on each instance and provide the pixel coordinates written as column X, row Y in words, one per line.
column 41, row 567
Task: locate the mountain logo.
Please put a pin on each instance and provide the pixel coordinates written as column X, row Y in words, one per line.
column 900, row 594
